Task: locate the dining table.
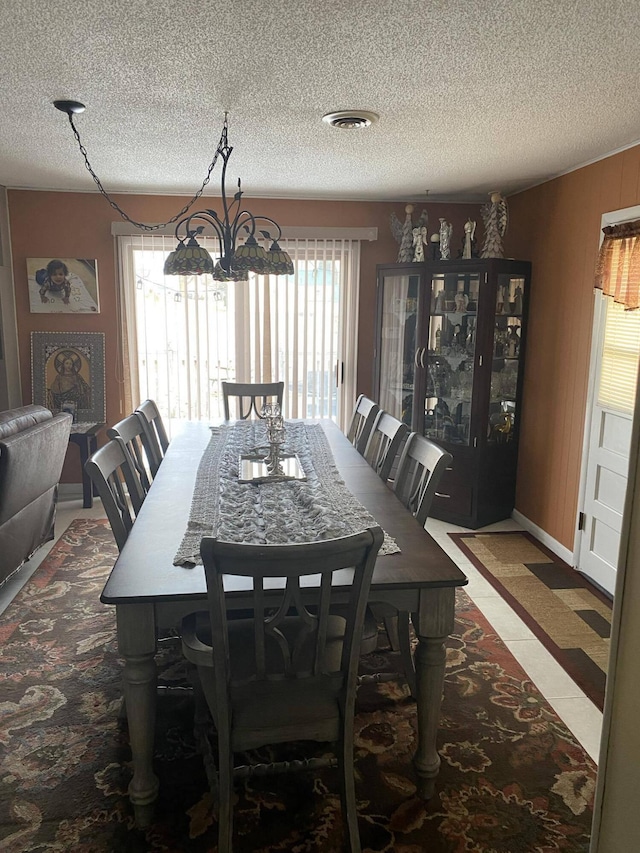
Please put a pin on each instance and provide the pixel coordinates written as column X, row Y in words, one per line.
column 152, row 594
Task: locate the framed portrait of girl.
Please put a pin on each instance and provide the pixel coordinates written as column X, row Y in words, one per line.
column 62, row 286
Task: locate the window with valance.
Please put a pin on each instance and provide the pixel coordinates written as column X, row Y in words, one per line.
column 618, row 276
column 618, row 266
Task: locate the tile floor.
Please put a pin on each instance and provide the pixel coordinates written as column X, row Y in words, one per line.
column 578, row 712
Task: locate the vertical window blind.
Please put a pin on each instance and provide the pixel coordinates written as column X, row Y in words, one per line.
column 184, row 335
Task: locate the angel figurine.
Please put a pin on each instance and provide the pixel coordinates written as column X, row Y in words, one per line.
column 446, row 230
column 403, row 233
column 495, row 215
column 420, row 240
column 461, row 300
column 517, row 300
column 469, row 232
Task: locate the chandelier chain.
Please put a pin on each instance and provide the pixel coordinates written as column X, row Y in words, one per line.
column 142, row 225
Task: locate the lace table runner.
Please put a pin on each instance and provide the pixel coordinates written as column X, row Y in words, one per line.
column 320, row 507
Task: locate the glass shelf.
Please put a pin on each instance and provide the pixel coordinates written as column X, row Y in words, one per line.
column 507, row 334
column 451, row 357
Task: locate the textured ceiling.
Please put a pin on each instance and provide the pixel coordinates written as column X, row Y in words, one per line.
column 473, row 96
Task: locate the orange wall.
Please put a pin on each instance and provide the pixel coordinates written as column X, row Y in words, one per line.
column 557, row 227
column 78, row 225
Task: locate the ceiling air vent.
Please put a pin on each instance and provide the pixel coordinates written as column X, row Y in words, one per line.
column 350, row 119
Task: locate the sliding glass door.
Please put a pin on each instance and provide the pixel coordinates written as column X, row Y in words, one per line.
column 184, row 335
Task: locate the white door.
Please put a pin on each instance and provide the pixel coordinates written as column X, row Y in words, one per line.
column 606, row 487
column 614, row 370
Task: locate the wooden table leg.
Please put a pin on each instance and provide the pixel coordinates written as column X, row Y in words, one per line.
column 433, row 624
column 137, row 645
column 87, row 444
column 93, row 446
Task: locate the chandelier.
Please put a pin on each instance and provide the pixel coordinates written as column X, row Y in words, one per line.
column 236, row 229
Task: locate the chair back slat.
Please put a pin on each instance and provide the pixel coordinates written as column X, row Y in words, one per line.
column 419, row 473
column 131, row 431
column 120, row 498
column 258, row 632
column 385, row 443
column 325, row 601
column 250, row 397
column 364, row 414
column 112, row 471
column 291, row 637
column 156, row 433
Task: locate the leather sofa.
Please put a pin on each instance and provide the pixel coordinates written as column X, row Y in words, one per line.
column 33, row 444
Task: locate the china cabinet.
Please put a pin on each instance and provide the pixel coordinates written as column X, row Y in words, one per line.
column 449, row 362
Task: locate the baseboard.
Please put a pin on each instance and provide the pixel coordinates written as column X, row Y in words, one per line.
column 69, row 491
column 542, row 536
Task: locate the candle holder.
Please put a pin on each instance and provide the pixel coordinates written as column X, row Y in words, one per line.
column 270, row 411
column 275, row 437
column 269, row 463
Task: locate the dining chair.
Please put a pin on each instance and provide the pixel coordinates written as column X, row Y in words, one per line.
column 113, row 473
column 156, row 434
column 385, row 443
column 364, row 414
column 250, row 397
column 132, row 432
column 420, row 469
column 112, row 470
column 288, row 672
column 421, row 466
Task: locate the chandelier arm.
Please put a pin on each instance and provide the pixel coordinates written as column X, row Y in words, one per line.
column 230, row 206
column 214, row 220
column 240, row 222
column 208, row 216
column 141, row 225
column 273, row 222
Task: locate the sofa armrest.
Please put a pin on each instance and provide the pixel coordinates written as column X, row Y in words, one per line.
column 31, row 463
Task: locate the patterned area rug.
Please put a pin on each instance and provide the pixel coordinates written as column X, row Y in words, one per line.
column 513, row 779
column 570, row 616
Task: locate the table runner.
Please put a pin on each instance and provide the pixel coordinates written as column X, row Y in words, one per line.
column 295, row 511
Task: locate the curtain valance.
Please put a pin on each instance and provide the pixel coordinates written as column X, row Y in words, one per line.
column 618, row 266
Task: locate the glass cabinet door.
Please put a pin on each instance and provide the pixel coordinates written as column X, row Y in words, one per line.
column 507, row 335
column 399, row 315
column 450, row 356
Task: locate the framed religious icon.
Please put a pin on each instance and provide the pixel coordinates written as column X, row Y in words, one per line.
column 63, row 286
column 68, row 374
